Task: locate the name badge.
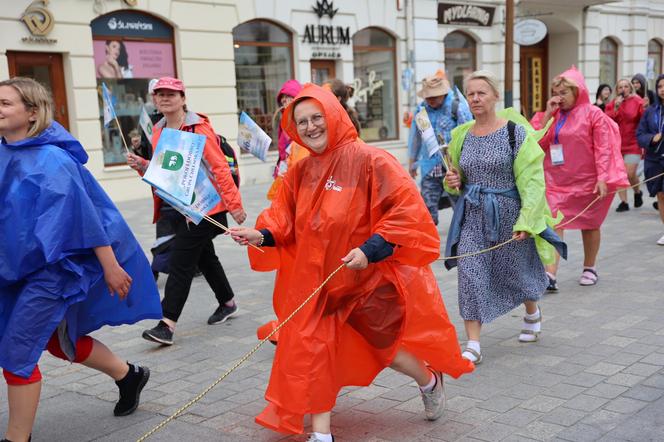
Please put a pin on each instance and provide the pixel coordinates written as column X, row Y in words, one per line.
column 557, row 157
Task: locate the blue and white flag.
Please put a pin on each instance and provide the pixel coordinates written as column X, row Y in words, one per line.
column 175, row 164
column 205, row 198
column 146, row 124
column 252, row 138
column 109, row 112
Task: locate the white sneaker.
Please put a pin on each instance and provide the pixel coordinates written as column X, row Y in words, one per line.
column 434, row 402
column 660, row 242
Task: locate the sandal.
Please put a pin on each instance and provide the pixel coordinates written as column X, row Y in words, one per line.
column 588, row 277
column 553, row 284
column 476, row 355
column 531, row 335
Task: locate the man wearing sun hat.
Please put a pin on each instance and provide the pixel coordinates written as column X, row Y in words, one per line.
column 444, row 111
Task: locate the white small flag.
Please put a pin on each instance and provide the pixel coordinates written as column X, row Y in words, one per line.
column 252, row 138
column 146, row 123
column 109, row 112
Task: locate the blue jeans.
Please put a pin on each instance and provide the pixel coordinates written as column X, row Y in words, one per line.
column 432, row 190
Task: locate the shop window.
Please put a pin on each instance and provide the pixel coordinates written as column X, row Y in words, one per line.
column 130, row 48
column 460, row 57
column 263, row 62
column 375, row 93
column 654, row 67
column 608, row 61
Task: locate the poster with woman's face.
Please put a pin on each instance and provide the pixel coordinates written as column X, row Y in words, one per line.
column 132, row 59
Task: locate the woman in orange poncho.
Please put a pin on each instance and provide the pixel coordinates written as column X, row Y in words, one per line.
column 353, row 203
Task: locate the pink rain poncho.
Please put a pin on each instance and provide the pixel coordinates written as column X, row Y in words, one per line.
column 591, row 149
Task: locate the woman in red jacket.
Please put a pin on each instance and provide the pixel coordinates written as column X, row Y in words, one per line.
column 192, row 245
column 626, row 110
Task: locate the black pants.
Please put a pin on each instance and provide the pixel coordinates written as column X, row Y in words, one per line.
column 193, row 247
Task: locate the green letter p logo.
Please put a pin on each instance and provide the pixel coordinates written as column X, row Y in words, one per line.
column 172, row 160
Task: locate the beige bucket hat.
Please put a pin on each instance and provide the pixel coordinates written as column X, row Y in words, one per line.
column 434, row 86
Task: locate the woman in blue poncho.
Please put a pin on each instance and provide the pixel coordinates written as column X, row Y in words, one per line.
column 64, row 251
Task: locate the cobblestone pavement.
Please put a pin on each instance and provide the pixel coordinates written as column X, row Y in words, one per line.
column 596, row 374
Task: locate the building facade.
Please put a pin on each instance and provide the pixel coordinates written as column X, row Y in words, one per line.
column 234, row 55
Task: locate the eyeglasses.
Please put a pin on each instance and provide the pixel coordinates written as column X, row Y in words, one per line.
column 316, row 120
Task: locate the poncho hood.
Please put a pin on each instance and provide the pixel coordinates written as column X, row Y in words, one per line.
column 290, row 87
column 644, row 84
column 340, row 129
column 658, row 101
column 55, row 135
column 572, row 74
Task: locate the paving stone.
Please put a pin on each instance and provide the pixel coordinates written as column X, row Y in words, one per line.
column 603, row 420
column 493, row 431
column 644, row 393
column 608, row 391
column 543, row 404
column 563, row 416
column 585, row 379
column 654, row 359
column 580, row 433
column 585, row 402
column 564, row 391
column 628, row 380
column 499, row 403
column 605, row 369
column 541, row 430
column 518, row 417
column 625, row 405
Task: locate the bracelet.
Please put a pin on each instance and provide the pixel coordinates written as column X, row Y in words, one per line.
column 260, row 243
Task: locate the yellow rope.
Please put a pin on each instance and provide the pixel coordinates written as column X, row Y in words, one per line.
column 497, row 246
column 310, row 297
column 240, row 362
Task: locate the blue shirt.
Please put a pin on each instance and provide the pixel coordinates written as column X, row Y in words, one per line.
column 443, row 122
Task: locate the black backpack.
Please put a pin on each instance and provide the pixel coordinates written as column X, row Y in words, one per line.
column 231, row 158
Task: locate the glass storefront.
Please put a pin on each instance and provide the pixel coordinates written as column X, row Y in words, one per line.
column 374, row 84
column 130, row 49
column 263, row 62
column 460, row 55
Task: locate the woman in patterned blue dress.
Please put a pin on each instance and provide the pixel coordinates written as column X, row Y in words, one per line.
column 497, row 167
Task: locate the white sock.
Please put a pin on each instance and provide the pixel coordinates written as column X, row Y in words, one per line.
column 534, row 327
column 475, row 345
column 428, row 388
column 325, row 437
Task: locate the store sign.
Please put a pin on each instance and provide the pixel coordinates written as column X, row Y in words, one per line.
column 362, row 93
column 464, row 14
column 331, row 35
column 328, row 38
column 131, row 24
column 39, row 21
column 324, row 8
column 529, row 32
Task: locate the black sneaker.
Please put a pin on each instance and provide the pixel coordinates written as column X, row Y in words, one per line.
column 222, row 313
column 622, row 207
column 638, row 199
column 161, row 333
column 553, row 284
column 130, row 390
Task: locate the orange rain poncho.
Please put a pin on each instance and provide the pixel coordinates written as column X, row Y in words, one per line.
column 328, row 204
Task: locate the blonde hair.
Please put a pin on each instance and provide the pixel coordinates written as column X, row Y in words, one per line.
column 561, row 81
column 629, row 82
column 487, row 76
column 34, row 97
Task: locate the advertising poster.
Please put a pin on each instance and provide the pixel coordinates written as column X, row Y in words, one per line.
column 132, row 59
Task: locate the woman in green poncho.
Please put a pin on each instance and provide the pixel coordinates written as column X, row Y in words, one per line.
column 496, row 167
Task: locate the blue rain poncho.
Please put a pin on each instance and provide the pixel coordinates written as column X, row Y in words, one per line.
column 52, row 214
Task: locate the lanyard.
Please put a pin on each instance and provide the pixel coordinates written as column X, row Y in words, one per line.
column 559, row 125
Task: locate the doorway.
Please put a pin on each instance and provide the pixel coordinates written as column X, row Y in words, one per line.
column 322, row 70
column 534, row 62
column 47, row 69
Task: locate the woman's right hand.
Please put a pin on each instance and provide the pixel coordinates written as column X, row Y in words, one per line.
column 551, row 106
column 245, row 235
column 137, row 163
column 452, row 179
column 656, row 138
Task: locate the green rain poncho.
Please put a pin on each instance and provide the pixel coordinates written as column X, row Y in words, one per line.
column 535, row 216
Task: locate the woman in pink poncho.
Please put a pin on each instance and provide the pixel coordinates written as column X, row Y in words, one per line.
column 583, row 160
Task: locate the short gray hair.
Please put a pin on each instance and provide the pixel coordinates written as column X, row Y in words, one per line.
column 488, row 76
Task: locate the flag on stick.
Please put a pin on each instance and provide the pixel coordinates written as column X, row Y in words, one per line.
column 252, row 138
column 205, row 198
column 175, row 164
column 109, row 113
column 146, row 123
